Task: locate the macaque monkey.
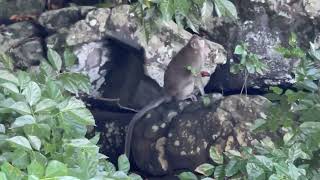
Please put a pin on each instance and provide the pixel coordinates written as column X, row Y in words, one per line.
column 181, row 76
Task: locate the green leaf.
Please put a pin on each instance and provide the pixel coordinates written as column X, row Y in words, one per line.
column 166, row 9
column 69, row 57
column 75, row 82
column 22, row 121
column 293, row 40
column 205, row 169
column 11, row 87
column 56, row 168
column 54, row 59
column 182, row 6
column 187, row 176
column 6, row 61
column 219, row 172
column 24, row 79
column 276, row 90
column 123, row 163
column 255, row 172
column 12, row 172
column 240, row 50
column 232, row 168
column 215, row 155
column 21, row 159
column 257, row 124
column 32, row 93
column 265, row 161
column 20, row 141
column 8, row 76
column 52, row 91
column 310, row 127
column 45, row 104
column 47, row 69
column 35, row 142
column 36, row 168
column 21, row 107
column 3, row 176
column 206, row 10
column 225, row 8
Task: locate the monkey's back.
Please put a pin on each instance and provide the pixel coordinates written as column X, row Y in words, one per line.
column 178, row 80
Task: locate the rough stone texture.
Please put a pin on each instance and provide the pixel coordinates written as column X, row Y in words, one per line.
column 178, row 135
column 24, row 46
column 263, row 31
column 118, row 23
column 20, row 7
column 312, row 8
column 60, row 18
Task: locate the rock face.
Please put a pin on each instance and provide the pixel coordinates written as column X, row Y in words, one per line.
column 25, row 46
column 20, row 7
column 178, row 135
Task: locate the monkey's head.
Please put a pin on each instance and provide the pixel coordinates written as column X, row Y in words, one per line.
column 199, row 44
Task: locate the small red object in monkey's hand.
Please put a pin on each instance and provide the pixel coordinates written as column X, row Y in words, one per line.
column 205, row 74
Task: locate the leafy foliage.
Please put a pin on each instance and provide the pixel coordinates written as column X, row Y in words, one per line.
column 43, row 127
column 249, row 64
column 186, row 13
column 294, row 115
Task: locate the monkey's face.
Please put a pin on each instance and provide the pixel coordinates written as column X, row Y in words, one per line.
column 197, row 42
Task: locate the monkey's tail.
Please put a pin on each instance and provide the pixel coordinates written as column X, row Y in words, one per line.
column 153, row 104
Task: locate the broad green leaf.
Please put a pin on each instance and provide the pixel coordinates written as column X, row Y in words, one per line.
column 75, row 82
column 3, row 176
column 206, row 10
column 52, row 91
column 182, row 6
column 215, row 155
column 2, row 129
column 24, row 79
column 69, row 57
column 257, row 124
column 205, row 169
column 255, row 172
column 276, row 90
column 54, row 59
column 187, row 176
column 232, row 168
column 219, row 172
column 39, row 130
column 47, row 69
column 21, row 107
column 45, row 104
column 310, row 127
column 295, row 152
column 20, row 141
column 70, row 104
column 21, row 159
column 10, row 86
column 7, row 61
column 36, row 168
column 225, row 8
column 294, row 172
column 166, row 9
column 123, row 163
column 56, row 168
column 12, row 172
column 265, row 161
column 8, row 76
column 32, row 93
column 35, row 142
column 22, row 121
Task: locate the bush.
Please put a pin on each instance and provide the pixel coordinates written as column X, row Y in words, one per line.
column 43, row 127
